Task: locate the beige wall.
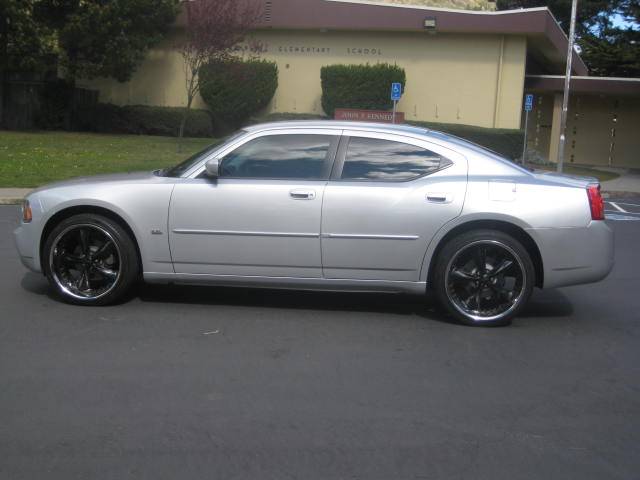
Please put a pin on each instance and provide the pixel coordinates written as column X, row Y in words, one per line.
column 601, row 130
column 469, row 79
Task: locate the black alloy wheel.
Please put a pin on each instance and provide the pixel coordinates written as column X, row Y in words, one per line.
column 90, row 259
column 485, row 277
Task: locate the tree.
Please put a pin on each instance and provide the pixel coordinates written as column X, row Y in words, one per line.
column 111, row 39
column 615, row 51
column 90, row 38
column 214, row 28
column 608, row 46
column 26, row 44
column 591, row 13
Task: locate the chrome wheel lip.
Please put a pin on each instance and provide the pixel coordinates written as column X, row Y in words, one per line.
column 61, row 285
column 515, row 302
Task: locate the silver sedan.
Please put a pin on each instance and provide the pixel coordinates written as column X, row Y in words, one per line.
column 325, row 205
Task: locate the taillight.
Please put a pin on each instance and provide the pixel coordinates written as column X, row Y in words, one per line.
column 595, row 202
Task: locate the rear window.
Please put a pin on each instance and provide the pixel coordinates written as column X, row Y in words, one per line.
column 374, row 159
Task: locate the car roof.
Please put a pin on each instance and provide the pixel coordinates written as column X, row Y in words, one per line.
column 337, row 124
column 442, row 138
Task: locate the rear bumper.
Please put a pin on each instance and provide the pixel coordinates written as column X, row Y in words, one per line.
column 573, row 256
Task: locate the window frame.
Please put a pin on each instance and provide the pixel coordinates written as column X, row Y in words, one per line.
column 328, row 162
column 338, row 166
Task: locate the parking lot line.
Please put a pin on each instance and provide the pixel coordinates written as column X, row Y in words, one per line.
column 628, row 204
column 617, row 207
column 622, row 218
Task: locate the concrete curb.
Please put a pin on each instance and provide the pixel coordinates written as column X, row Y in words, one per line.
column 13, row 196
column 616, row 194
column 10, row 201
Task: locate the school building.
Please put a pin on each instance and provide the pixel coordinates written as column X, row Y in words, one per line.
column 462, row 66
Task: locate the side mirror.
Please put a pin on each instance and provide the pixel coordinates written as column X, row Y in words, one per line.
column 213, row 167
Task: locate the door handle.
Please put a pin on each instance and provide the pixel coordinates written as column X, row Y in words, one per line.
column 302, row 194
column 439, row 197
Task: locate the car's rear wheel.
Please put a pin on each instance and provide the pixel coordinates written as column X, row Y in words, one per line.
column 90, row 260
column 484, row 277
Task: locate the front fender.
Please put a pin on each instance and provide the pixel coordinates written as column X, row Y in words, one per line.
column 143, row 208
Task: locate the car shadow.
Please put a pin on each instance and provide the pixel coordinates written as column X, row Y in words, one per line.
column 293, row 299
column 543, row 304
column 36, row 283
column 552, row 303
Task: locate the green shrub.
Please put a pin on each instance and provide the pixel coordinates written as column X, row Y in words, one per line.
column 235, row 89
column 365, row 87
column 506, row 142
column 143, row 120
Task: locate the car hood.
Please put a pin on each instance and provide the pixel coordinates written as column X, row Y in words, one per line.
column 133, row 177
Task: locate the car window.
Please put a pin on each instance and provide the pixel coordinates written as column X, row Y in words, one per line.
column 186, row 165
column 384, row 160
column 299, row 156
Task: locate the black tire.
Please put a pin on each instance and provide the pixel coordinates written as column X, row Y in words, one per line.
column 92, row 251
column 504, row 284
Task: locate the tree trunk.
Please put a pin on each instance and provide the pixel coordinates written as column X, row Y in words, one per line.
column 183, row 123
column 71, row 107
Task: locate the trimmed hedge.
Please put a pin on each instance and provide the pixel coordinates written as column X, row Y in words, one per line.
column 503, row 141
column 143, row 120
column 235, row 89
column 365, row 87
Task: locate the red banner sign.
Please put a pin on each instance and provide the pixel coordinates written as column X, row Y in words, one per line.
column 380, row 116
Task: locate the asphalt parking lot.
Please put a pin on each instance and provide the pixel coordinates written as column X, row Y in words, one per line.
column 190, row 383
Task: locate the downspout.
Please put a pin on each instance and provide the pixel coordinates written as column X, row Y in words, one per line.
column 496, row 110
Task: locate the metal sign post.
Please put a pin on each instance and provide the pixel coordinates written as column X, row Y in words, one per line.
column 396, row 95
column 528, row 106
column 567, row 86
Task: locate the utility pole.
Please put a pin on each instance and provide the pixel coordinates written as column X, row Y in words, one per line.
column 567, row 85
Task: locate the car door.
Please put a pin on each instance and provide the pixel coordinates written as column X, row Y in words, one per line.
column 261, row 216
column 387, row 197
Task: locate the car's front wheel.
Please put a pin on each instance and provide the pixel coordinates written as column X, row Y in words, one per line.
column 484, row 277
column 90, row 260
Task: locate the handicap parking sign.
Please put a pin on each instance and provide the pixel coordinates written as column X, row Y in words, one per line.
column 528, row 102
column 396, row 91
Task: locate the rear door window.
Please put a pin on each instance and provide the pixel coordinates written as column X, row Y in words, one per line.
column 372, row 159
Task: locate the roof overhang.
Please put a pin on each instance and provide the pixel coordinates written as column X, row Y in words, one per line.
column 580, row 84
column 546, row 40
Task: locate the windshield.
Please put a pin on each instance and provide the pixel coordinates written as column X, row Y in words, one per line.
column 185, row 166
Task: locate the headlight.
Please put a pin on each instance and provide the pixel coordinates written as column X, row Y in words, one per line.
column 27, row 215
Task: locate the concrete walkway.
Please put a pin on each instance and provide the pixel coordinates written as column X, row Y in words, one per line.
column 627, row 182
column 13, row 196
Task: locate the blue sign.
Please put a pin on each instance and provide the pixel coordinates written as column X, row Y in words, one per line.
column 396, row 91
column 528, row 102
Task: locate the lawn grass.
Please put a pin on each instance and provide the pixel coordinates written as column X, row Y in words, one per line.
column 580, row 171
column 31, row 159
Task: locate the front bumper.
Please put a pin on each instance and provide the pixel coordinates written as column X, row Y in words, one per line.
column 574, row 256
column 26, row 241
